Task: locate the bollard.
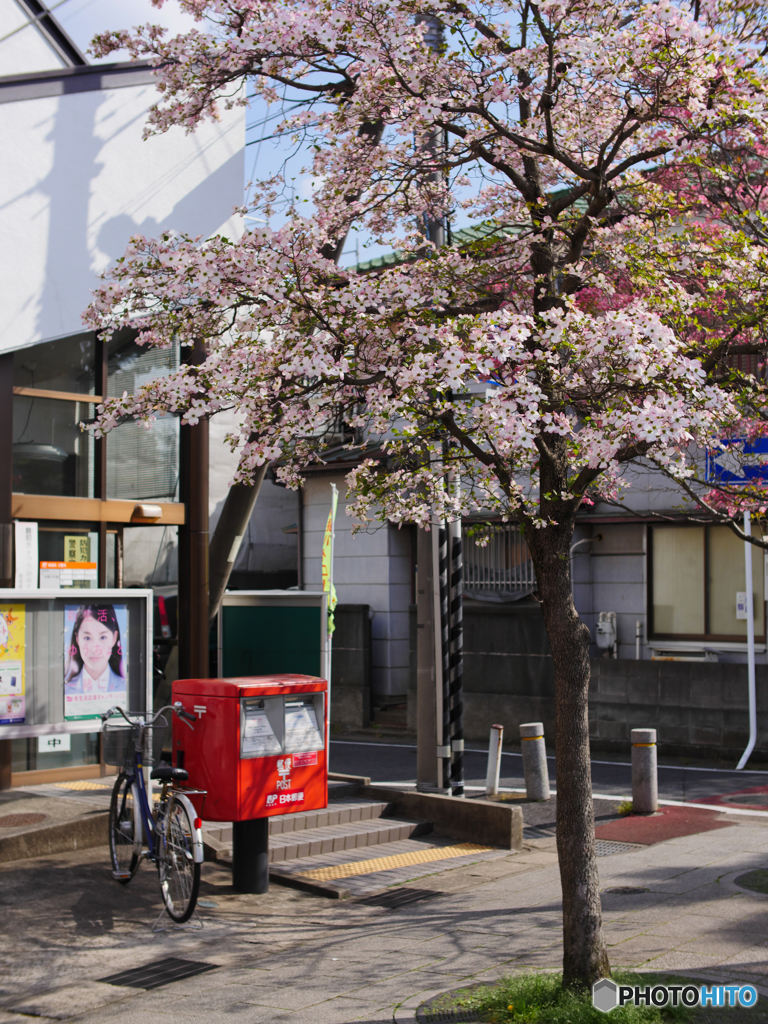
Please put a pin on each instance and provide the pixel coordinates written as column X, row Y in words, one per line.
column 494, row 760
column 645, row 783
column 534, row 761
column 250, row 855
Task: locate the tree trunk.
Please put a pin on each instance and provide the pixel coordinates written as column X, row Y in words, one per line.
column 228, row 535
column 585, row 959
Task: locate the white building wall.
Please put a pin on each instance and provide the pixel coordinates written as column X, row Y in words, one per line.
column 371, row 568
column 79, row 181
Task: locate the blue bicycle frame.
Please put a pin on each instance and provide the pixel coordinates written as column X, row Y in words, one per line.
column 148, row 819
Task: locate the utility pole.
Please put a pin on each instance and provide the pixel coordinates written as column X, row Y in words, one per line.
column 439, row 634
column 193, row 631
column 429, row 768
column 6, row 515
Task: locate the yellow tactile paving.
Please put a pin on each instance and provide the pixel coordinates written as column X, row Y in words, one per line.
column 396, row 860
column 84, row 784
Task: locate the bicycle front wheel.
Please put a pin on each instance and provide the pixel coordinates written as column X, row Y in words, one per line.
column 125, row 830
column 179, row 874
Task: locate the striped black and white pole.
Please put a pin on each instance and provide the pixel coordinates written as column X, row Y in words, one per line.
column 456, row 658
column 444, row 574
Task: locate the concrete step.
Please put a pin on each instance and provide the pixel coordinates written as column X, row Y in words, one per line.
column 340, row 812
column 336, row 838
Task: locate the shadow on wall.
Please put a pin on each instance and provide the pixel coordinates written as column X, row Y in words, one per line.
column 85, row 130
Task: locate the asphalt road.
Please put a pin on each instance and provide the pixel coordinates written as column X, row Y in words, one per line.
column 393, row 762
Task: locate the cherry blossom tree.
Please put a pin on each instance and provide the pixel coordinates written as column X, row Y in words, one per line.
column 574, row 336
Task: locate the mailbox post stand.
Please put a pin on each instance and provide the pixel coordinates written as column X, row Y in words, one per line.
column 250, row 856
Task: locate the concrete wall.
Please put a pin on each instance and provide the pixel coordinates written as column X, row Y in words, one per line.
column 698, row 710
column 508, row 672
column 351, row 668
column 372, row 568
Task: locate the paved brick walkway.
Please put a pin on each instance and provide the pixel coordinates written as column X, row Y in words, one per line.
column 294, row 958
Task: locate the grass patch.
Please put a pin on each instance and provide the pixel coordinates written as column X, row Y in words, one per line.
column 540, row 998
column 625, row 807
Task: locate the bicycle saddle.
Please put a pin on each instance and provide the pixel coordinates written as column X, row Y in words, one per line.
column 167, row 773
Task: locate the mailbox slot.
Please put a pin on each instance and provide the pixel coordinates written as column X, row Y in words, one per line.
column 281, row 725
column 304, row 718
column 261, row 726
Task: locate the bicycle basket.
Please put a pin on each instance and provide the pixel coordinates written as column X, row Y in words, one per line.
column 118, row 744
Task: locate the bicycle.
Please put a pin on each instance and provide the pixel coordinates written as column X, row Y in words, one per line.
column 171, row 837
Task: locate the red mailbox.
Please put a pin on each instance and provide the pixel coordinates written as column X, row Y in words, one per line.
column 258, row 746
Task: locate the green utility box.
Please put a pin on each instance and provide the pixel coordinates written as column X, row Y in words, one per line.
column 262, row 632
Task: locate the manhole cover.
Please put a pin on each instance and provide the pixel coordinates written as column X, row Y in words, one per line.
column 399, row 897
column 755, row 799
column 625, row 890
column 19, row 820
column 755, row 881
column 159, row 972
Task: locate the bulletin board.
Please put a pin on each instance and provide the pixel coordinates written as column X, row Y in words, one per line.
column 66, row 659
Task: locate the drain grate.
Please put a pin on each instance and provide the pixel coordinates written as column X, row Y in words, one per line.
column 425, row 1015
column 18, row 820
column 399, row 897
column 625, row 890
column 160, row 972
column 604, row 847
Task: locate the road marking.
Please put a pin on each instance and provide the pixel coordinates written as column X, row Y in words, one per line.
column 396, row 860
column 104, row 787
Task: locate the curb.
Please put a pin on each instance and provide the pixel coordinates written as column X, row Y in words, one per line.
column 79, row 834
column 406, row 1011
column 291, row 881
column 475, row 821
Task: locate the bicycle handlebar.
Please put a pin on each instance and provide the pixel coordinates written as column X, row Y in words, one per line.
column 176, row 708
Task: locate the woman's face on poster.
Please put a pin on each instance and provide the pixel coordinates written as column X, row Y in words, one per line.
column 96, row 642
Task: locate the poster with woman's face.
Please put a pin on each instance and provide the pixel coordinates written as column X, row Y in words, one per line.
column 95, row 659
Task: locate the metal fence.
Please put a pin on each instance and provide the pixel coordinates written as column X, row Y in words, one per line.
column 503, row 566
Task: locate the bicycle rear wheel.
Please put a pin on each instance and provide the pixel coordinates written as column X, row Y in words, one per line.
column 178, row 872
column 125, row 830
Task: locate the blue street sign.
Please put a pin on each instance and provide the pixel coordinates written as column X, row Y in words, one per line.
column 724, row 467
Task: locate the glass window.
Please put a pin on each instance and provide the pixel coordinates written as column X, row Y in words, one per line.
column 141, row 464
column 697, row 573
column 28, row 755
column 64, row 365
column 678, row 579
column 151, row 556
column 51, row 453
column 725, row 578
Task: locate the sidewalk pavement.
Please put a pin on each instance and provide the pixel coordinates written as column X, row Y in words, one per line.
column 293, row 958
